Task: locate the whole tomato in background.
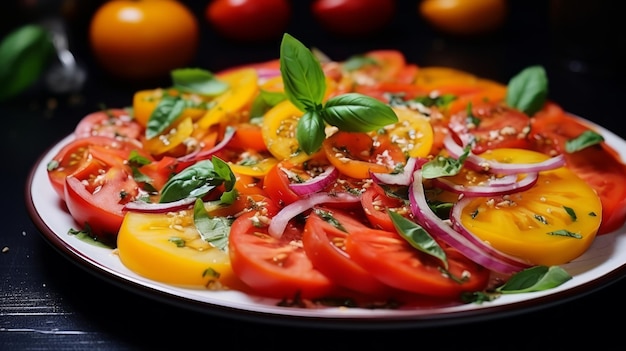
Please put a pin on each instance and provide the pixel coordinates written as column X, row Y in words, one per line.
column 249, row 20
column 464, row 17
column 143, row 39
column 353, row 17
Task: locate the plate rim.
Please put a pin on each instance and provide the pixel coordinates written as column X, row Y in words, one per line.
column 406, row 320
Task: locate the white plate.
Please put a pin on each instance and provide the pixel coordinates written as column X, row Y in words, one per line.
column 602, row 264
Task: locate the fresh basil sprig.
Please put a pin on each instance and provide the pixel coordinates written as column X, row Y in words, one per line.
column 305, row 86
column 214, row 230
column 528, row 90
column 585, row 139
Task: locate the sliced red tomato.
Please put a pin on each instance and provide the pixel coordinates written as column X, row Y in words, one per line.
column 112, row 123
column 599, row 165
column 248, row 136
column 357, row 154
column 274, row 267
column 323, row 239
column 493, row 125
column 86, row 153
column 96, row 200
column 392, row 260
column 376, row 204
column 159, row 171
column 286, row 172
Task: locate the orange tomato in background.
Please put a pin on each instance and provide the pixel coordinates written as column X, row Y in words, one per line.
column 249, row 20
column 143, row 39
column 464, row 17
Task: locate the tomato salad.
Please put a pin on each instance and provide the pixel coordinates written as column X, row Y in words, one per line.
column 358, row 182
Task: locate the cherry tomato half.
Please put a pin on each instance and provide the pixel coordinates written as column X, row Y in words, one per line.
column 353, row 17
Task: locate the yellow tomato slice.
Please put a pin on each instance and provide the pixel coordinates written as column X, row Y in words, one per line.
column 279, row 130
column 552, row 223
column 145, row 101
column 171, row 138
column 166, row 247
column 442, row 76
column 413, row 133
column 243, row 89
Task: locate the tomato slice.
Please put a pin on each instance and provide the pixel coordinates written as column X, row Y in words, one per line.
column 166, row 247
column 112, row 123
column 278, row 178
column 494, row 125
column 357, row 154
column 551, row 223
column 600, row 166
column 392, row 260
column 274, row 267
column 324, row 245
column 376, row 203
column 86, row 153
column 96, row 201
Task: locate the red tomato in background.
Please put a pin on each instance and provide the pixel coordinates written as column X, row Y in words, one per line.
column 112, row 123
column 353, row 17
column 249, row 20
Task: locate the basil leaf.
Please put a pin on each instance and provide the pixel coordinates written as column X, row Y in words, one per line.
column 359, row 61
column 198, row 81
column 442, row 166
column 194, row 181
column 528, row 90
column 355, row 112
column 214, row 230
column 536, row 278
column 223, row 171
column 166, row 112
column 585, row 139
column 310, row 132
column 265, row 101
column 303, row 77
column 24, row 54
column 417, row 237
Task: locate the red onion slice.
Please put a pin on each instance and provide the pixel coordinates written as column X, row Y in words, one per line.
column 525, row 183
column 402, row 178
column 481, row 164
column 470, row 246
column 317, row 183
column 198, row 156
column 147, row 207
column 279, row 222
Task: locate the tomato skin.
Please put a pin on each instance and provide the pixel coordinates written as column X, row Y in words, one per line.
column 276, row 184
column 392, row 260
column 136, row 40
column 274, row 267
column 112, row 123
column 323, row 244
column 353, row 17
column 100, row 205
column 600, row 166
column 78, row 156
column 498, row 126
column 249, row 20
column 376, row 204
column 464, row 18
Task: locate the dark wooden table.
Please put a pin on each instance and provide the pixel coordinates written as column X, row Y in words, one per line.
column 49, row 303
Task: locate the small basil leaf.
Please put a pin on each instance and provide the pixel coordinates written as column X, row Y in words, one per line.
column 197, row 81
column 193, row 181
column 310, row 132
column 265, row 101
column 357, row 113
column 441, row 166
column 528, row 90
column 303, row 77
column 166, row 112
column 537, row 278
column 214, row 230
column 417, row 237
column 585, row 139
column 24, row 54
